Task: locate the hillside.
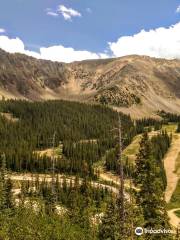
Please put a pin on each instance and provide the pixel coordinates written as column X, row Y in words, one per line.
column 135, row 84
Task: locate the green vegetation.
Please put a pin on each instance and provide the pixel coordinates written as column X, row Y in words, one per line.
column 74, row 195
column 112, row 226
column 25, row 224
column 147, row 124
column 151, row 188
column 36, row 216
column 177, row 213
column 72, row 122
column 178, row 128
column 177, row 167
column 160, row 145
column 170, row 128
column 149, row 208
column 169, row 117
column 117, row 97
column 79, row 206
column 175, row 199
column 132, row 149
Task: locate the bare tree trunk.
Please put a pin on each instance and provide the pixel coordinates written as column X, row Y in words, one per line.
column 53, row 169
column 121, row 176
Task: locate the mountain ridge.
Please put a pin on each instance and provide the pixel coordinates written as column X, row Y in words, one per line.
column 139, row 85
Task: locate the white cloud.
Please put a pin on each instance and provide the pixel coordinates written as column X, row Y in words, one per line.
column 2, row 30
column 53, row 53
column 53, row 14
column 15, row 46
column 178, row 9
column 68, row 13
column 62, row 54
column 160, row 43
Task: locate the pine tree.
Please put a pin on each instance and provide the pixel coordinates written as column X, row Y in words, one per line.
column 149, row 182
column 178, row 128
column 9, row 194
column 109, row 228
column 3, row 182
column 178, row 232
column 6, row 196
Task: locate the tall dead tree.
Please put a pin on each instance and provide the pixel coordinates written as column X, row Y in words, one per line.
column 131, row 205
column 53, row 169
column 121, row 178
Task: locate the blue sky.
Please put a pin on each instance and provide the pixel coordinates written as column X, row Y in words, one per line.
column 86, row 25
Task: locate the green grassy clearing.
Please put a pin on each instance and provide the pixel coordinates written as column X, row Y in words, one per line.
column 132, row 149
column 175, row 199
column 170, row 128
column 177, row 167
column 177, row 213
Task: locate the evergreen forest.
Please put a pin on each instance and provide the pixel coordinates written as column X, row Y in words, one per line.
column 53, row 155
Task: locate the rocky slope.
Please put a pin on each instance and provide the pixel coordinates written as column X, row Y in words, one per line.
column 135, row 84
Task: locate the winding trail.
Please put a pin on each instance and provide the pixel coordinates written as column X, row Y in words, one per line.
column 108, row 176
column 169, row 164
column 172, row 177
column 174, row 220
column 47, row 178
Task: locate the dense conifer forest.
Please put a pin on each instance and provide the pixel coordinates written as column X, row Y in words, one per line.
column 69, row 201
column 169, row 117
column 83, row 130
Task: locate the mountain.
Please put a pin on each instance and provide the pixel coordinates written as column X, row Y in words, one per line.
column 138, row 85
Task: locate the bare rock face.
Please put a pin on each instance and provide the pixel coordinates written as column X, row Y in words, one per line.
column 132, row 83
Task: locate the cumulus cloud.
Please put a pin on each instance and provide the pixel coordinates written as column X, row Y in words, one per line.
column 2, row 30
column 160, row 43
column 62, row 54
column 178, row 9
column 15, row 46
column 68, row 13
column 53, row 53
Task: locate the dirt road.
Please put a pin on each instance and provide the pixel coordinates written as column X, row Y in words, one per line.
column 29, row 177
column 169, row 164
column 172, row 177
column 174, row 220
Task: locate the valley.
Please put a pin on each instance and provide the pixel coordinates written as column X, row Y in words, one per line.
column 83, row 166
column 89, row 120
column 60, row 153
